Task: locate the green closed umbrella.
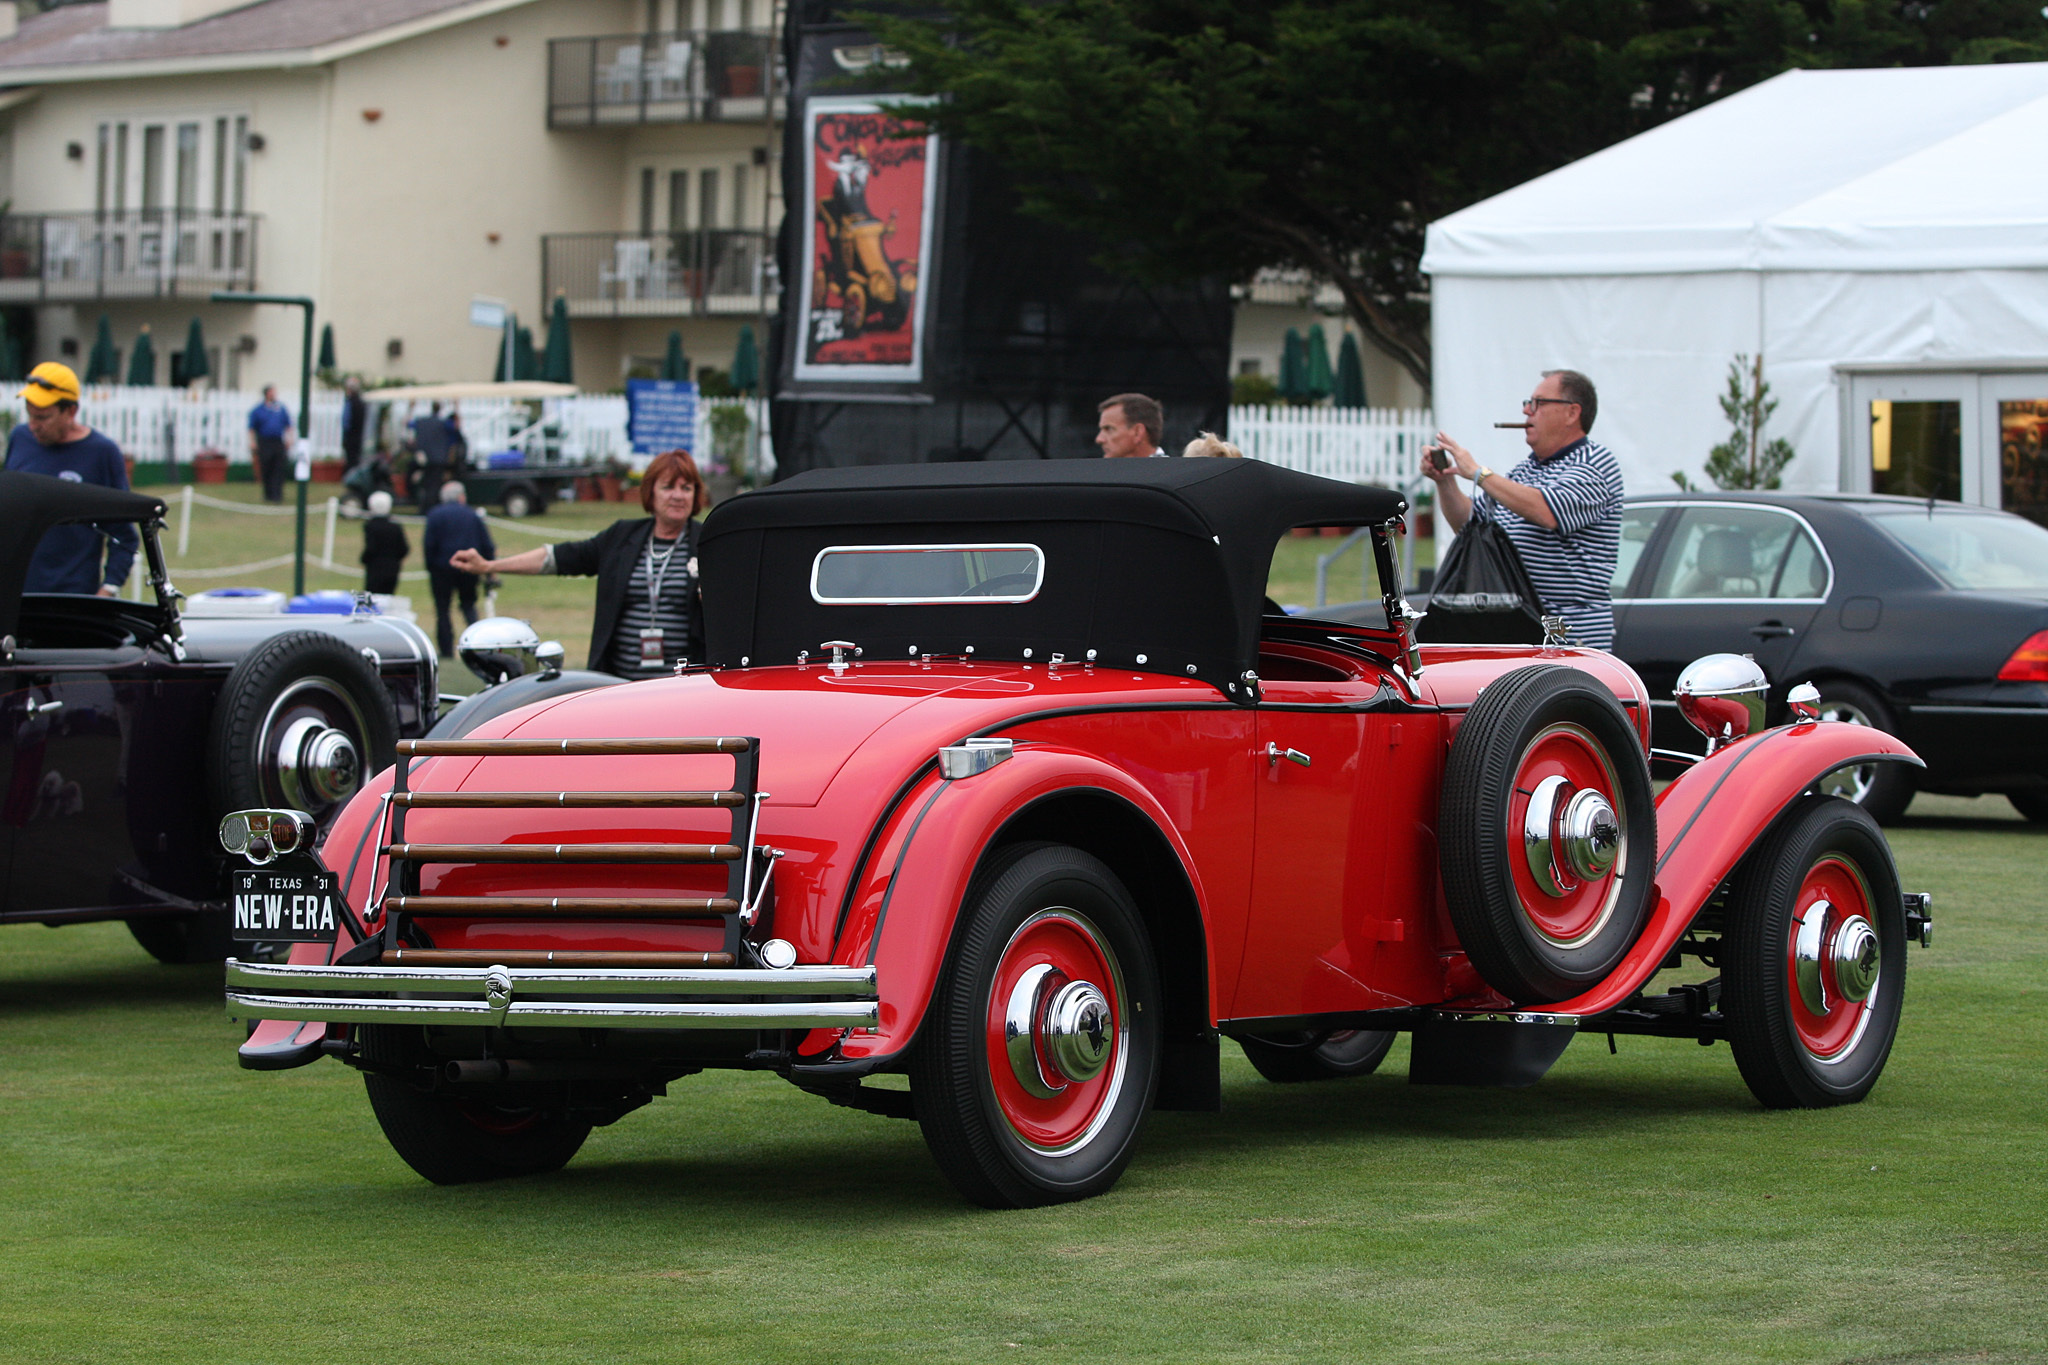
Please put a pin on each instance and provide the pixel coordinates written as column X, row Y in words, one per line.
column 1293, row 362
column 327, row 347
column 193, row 361
column 506, row 345
column 675, row 365
column 746, row 363
column 1350, row 390
column 558, row 366
column 103, row 366
column 1317, row 381
column 142, row 360
column 525, row 364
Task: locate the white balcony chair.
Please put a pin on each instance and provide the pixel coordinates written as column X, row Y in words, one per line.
column 632, row 264
column 619, row 83
column 668, row 77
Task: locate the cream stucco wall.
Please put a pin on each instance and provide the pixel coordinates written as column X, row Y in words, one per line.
column 389, row 223
column 1260, row 333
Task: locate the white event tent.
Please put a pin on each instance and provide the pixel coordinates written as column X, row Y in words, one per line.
column 1878, row 236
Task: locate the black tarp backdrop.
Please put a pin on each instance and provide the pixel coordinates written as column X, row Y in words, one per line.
column 1024, row 334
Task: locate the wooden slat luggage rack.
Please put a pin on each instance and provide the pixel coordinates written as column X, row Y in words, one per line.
column 748, row 868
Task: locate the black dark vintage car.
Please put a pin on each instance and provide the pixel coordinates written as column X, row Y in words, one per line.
column 1926, row 619
column 130, row 730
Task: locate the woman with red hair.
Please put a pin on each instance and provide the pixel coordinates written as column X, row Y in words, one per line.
column 650, row 613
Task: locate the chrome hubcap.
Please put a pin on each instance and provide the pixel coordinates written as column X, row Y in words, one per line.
column 1808, row 947
column 1856, row 960
column 1590, row 835
column 1056, row 1031
column 317, row 764
column 1578, row 843
column 1077, row 1031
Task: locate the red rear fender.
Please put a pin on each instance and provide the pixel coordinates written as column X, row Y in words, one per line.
column 909, row 900
column 1713, row 815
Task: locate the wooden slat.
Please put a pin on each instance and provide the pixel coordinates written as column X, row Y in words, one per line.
column 567, row 853
column 490, row 748
column 500, row 957
column 564, row 800
column 561, row 907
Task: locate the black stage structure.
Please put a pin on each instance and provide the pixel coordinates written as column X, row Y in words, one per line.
column 1022, row 334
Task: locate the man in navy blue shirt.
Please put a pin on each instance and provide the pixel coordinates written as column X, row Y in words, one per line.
column 54, row 442
column 454, row 525
column 270, row 431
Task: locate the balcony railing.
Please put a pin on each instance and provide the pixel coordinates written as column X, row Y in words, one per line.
column 681, row 77
column 140, row 253
column 665, row 274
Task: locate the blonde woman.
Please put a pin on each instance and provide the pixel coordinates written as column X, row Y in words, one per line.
column 1210, row 444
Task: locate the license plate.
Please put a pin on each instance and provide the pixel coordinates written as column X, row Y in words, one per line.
column 280, row 906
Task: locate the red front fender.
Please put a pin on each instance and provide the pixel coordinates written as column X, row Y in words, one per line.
column 1714, row 814
column 945, row 830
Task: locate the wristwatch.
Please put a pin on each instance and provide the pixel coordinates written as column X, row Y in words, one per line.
column 1482, row 476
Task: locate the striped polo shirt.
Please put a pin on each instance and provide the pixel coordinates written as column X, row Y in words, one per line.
column 1573, row 566
column 672, row 561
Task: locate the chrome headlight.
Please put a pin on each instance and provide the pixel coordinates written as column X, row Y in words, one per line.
column 1722, row 696
column 499, row 648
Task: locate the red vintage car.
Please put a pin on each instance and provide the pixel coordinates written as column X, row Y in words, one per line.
column 1008, row 778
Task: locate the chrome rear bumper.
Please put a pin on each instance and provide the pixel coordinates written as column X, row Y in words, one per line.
column 548, row 997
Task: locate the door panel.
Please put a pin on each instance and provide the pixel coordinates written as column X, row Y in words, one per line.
column 71, row 827
column 1323, row 933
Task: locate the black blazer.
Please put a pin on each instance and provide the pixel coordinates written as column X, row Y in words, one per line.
column 611, row 555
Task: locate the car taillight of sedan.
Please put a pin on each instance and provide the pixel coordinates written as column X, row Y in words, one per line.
column 2029, row 663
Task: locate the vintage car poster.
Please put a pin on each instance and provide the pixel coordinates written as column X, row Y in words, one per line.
column 869, row 191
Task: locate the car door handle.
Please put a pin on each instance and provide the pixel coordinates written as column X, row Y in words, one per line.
column 1274, row 753
column 1771, row 630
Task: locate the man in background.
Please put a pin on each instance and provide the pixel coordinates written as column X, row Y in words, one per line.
column 54, row 442
column 270, row 432
column 384, row 546
column 432, row 439
column 1129, row 427
column 354, row 415
column 453, row 525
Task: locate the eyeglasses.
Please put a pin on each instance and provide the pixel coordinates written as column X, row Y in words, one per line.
column 1529, row 405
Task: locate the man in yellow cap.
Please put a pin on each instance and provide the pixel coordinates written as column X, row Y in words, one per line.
column 54, row 442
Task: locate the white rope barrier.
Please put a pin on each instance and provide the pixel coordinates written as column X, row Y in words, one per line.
column 404, row 519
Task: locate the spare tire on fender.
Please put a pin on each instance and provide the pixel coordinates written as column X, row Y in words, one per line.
column 1548, row 834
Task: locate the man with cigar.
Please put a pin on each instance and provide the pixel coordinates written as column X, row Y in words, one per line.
column 1561, row 507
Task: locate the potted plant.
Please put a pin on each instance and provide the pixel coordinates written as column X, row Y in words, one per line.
column 210, row 466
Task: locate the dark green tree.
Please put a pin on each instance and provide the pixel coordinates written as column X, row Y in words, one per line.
column 1211, row 137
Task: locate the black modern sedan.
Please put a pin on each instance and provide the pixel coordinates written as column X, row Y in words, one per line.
column 1927, row 619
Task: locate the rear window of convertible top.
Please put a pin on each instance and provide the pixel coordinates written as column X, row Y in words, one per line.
column 917, row 575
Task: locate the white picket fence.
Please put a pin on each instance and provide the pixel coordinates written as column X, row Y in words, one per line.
column 160, row 425
column 1358, row 445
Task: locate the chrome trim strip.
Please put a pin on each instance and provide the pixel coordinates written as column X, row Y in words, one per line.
column 818, row 561
column 858, row 982
column 1935, row 708
column 652, row 1014
column 1507, row 1017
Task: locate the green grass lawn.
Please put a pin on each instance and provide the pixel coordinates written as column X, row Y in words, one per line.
column 157, row 1204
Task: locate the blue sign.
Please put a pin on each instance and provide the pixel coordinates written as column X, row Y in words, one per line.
column 661, row 414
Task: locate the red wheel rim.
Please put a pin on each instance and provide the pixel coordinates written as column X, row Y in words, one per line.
column 1831, row 1034
column 1570, row 753
column 1069, row 946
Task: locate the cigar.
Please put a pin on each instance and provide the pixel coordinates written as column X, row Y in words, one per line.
column 1513, row 426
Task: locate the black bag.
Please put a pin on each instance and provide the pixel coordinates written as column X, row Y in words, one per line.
column 1482, row 594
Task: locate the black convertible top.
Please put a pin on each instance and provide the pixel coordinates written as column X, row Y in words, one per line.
column 1154, row 564
column 31, row 504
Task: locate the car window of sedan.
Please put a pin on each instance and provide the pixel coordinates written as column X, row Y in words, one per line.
column 1739, row 552
column 1638, row 524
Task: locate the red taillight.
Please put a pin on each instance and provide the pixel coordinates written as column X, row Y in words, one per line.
column 2029, row 663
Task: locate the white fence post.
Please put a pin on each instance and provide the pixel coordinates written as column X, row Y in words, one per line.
column 185, row 521
column 327, row 552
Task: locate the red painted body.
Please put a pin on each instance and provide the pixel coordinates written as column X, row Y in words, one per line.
column 1315, row 889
